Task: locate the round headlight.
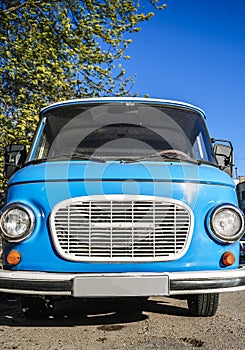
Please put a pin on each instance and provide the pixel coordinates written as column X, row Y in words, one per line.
column 227, row 224
column 17, row 222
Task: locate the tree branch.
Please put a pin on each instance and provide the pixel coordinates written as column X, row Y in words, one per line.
column 15, row 8
column 12, row 9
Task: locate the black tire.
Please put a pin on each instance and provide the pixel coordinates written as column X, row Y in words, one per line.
column 34, row 307
column 203, row 305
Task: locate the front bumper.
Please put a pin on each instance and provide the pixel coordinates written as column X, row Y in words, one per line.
column 121, row 284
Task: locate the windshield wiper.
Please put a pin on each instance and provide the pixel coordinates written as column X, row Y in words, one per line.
column 167, row 157
column 78, row 156
column 84, row 156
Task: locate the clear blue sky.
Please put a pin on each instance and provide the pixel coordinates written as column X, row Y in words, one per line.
column 194, row 51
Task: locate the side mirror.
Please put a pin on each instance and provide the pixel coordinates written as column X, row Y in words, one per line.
column 14, row 157
column 224, row 155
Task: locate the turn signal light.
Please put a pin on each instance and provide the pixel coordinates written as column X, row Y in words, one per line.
column 228, row 258
column 13, row 257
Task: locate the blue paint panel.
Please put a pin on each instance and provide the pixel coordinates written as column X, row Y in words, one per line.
column 151, row 171
column 44, row 185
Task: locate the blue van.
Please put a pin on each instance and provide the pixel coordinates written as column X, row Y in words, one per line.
column 121, row 197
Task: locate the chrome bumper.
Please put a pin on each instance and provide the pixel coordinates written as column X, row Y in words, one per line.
column 121, row 284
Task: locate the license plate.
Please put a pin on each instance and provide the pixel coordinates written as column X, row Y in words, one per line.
column 116, row 286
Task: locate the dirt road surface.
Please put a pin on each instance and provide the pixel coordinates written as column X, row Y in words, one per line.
column 163, row 323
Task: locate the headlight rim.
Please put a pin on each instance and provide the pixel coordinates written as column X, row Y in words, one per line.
column 222, row 239
column 5, row 210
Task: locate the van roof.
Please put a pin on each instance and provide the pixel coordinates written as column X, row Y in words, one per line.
column 125, row 99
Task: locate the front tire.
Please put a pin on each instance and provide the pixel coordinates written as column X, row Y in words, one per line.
column 203, row 305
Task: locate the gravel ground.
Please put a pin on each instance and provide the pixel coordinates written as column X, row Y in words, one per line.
column 164, row 323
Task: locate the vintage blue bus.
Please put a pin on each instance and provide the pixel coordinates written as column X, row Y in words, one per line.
column 121, row 197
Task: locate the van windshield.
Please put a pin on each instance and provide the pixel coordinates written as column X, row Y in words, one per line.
column 123, row 131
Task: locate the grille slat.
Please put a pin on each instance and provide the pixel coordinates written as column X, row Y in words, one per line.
column 97, row 228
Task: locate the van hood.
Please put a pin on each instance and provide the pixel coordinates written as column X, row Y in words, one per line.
column 70, row 171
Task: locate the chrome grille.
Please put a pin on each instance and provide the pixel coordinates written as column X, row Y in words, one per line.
column 120, row 228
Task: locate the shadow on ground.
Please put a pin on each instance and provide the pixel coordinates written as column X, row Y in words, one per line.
column 102, row 312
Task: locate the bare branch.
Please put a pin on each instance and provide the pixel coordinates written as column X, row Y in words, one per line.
column 16, row 8
column 12, row 9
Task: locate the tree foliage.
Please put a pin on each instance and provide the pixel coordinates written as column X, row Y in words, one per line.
column 56, row 50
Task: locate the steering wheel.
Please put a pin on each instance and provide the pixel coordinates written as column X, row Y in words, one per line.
column 175, row 151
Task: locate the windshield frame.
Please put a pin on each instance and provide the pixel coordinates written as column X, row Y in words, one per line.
column 87, row 104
